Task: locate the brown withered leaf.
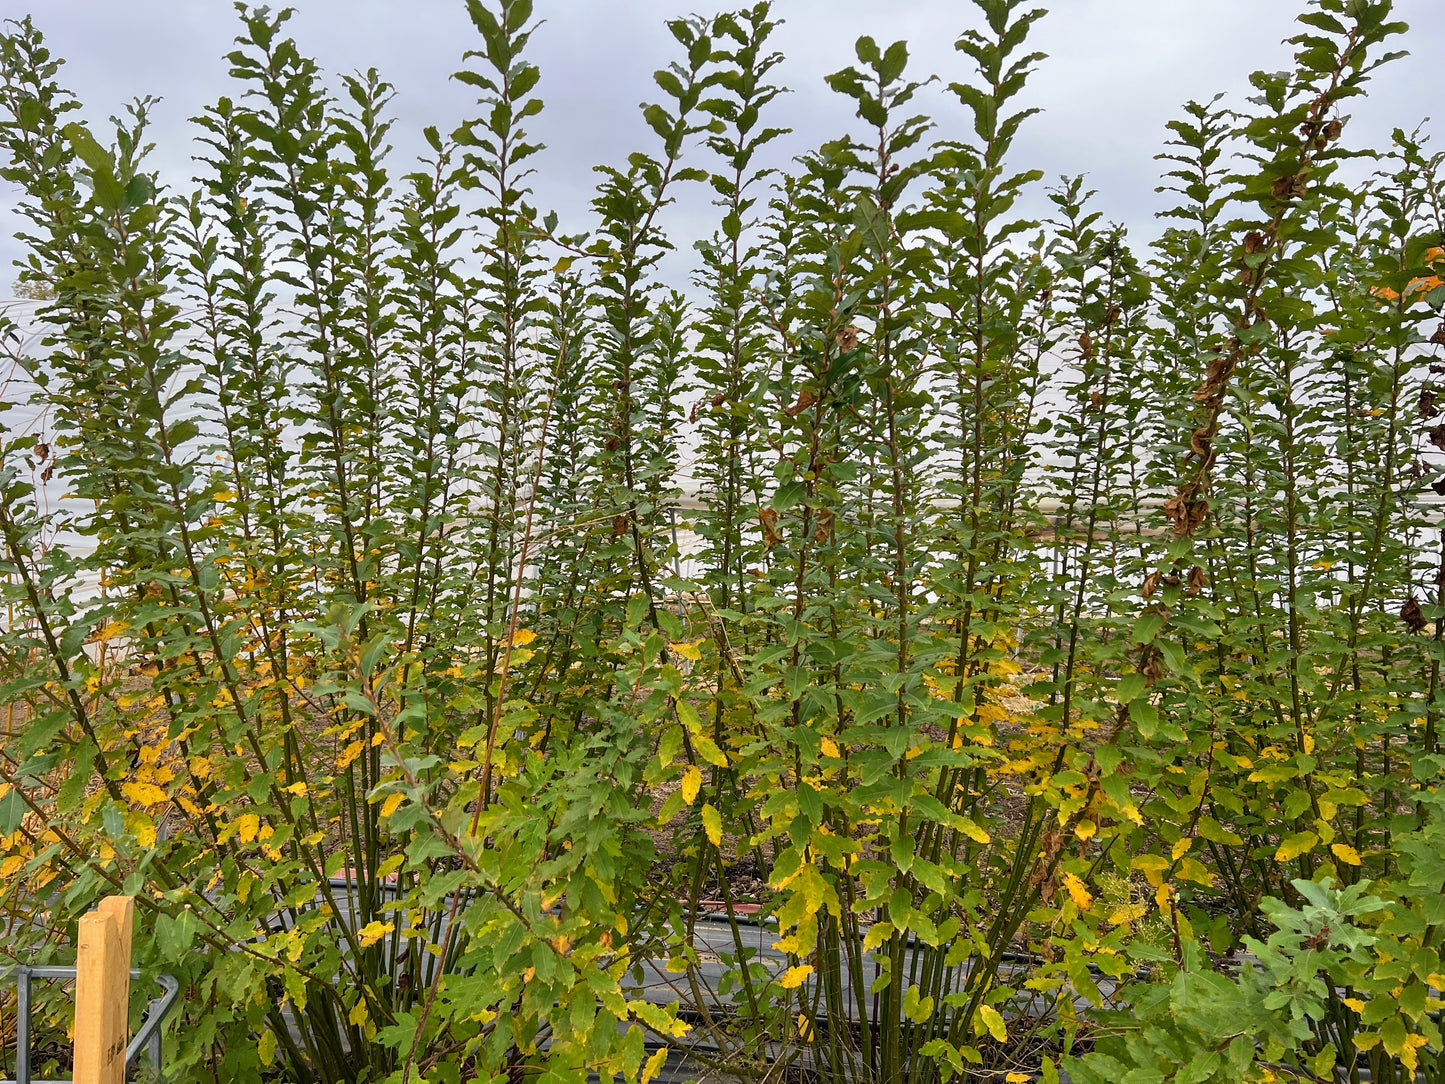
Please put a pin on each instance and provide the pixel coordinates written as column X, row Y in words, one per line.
column 1438, row 338
column 847, row 339
column 1051, row 844
column 1111, row 315
column 1151, row 584
column 1201, row 443
column 48, row 473
column 1437, row 436
column 1428, row 408
column 1186, row 514
column 1096, row 400
column 1333, row 129
column 1411, row 614
column 805, row 400
column 1086, row 345
column 1253, row 242
column 1196, row 580
column 619, row 526
column 1216, row 375
column 1150, row 663
column 718, row 400
column 1291, row 187
column 823, row 532
column 768, row 517
column 1439, row 487
column 42, row 452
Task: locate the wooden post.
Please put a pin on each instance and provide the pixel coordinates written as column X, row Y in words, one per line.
column 102, row 992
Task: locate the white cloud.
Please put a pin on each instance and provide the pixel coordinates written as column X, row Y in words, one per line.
column 1117, row 71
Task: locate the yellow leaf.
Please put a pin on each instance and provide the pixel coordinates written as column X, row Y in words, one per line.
column 1132, row 912
column 654, row 1065
column 691, row 784
column 1018, row 1078
column 1153, row 867
column 830, row 748
column 523, row 637
column 145, row 830
column 143, row 793
column 373, row 932
column 973, row 831
column 1192, row 870
column 1402, row 1044
column 247, row 826
column 1086, row 829
column 112, row 630
column 805, row 1028
column 792, row 945
column 708, row 750
column 688, row 650
column 876, row 935
column 266, row 1048
column 1295, row 845
column 712, row 824
column 393, row 800
column 1181, row 848
column 298, row 789
column 992, row 1019
column 11, row 866
column 358, row 1014
column 1345, row 853
column 349, row 755
column 1353, row 1003
column 792, row 978
column 1409, row 1057
column 1078, row 892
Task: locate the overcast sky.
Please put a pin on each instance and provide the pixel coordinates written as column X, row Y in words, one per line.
column 1118, row 70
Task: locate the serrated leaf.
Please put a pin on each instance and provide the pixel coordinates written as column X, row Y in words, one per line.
column 1293, row 846
column 991, row 1020
column 712, row 824
column 690, row 784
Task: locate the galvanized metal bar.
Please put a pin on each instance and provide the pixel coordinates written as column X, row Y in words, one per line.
column 22, row 1025
column 147, row 1039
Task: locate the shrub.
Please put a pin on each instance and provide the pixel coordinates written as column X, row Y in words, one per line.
column 1059, row 616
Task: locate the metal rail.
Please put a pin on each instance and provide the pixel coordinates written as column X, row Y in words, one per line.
column 148, row 1038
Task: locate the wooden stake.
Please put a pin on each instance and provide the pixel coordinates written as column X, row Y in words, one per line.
column 102, row 992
